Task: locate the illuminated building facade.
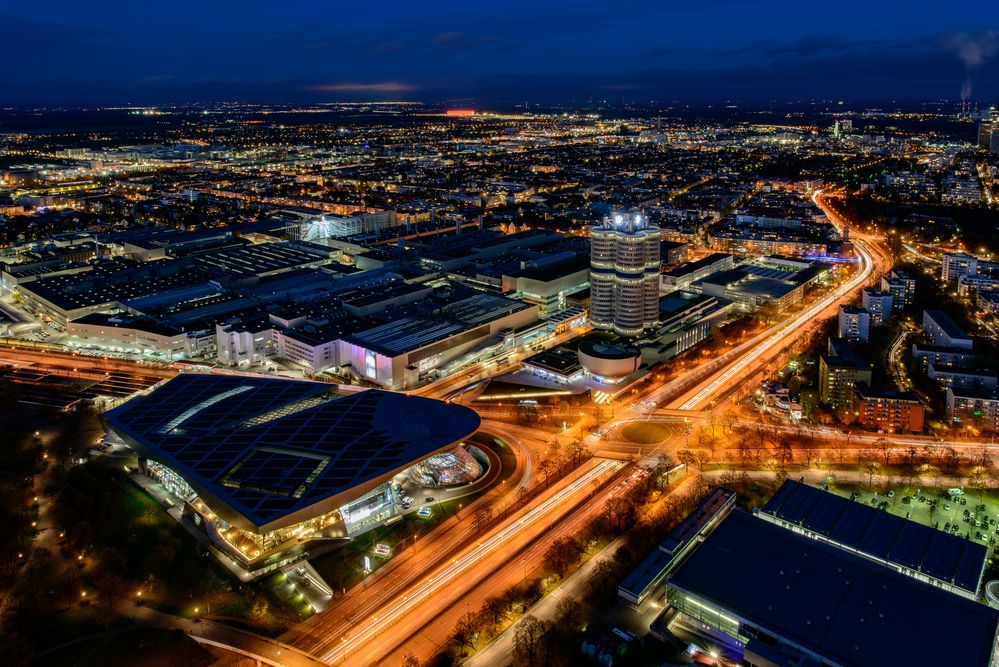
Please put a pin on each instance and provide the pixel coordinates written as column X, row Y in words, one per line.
column 270, row 467
column 624, row 275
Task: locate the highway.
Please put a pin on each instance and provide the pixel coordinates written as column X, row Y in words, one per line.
column 342, row 640
column 24, row 356
column 765, row 346
column 525, row 564
column 430, row 550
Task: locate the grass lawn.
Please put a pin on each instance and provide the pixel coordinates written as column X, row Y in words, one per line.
column 157, row 648
column 187, row 579
column 279, row 590
column 64, row 626
column 645, row 433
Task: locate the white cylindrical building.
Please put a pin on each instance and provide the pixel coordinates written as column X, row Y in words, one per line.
column 624, row 275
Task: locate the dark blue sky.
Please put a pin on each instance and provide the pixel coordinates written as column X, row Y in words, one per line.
column 490, row 50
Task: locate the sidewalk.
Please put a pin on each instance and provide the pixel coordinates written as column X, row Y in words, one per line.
column 500, row 650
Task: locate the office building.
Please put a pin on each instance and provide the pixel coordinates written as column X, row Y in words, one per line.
column 974, row 407
column 944, row 332
column 963, row 378
column 901, row 286
column 624, row 275
column 751, row 289
column 957, row 264
column 653, row 569
column 403, row 352
column 673, row 253
column 681, row 277
column 548, row 283
column 788, row 599
column 947, row 561
column 953, row 357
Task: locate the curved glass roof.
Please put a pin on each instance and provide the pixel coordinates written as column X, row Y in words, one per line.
column 270, row 447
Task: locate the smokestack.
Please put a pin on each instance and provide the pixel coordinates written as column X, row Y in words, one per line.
column 974, row 50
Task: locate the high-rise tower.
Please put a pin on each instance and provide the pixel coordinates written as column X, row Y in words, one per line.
column 624, row 275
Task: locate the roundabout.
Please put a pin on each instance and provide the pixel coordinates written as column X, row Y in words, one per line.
column 646, row 433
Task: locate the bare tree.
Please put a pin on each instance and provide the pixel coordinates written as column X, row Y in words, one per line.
column 728, row 421
column 872, row 468
column 529, row 647
column 686, row 456
column 466, row 630
column 664, row 463
column 885, row 449
column 494, row 610
column 569, row 612
column 783, row 452
column 576, row 453
column 563, row 554
column 547, row 467
column 808, row 451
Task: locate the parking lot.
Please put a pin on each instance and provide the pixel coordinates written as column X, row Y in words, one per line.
column 973, row 514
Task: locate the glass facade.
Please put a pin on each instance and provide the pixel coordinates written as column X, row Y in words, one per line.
column 706, row 613
column 171, row 481
column 368, row 510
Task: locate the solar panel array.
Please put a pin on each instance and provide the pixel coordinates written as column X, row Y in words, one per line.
column 265, row 461
column 879, row 534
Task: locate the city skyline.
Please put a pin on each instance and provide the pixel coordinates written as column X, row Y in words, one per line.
column 556, row 52
column 514, row 335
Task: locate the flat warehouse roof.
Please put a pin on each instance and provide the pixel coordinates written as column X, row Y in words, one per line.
column 406, row 334
column 253, row 259
column 836, row 604
column 267, row 448
column 880, row 534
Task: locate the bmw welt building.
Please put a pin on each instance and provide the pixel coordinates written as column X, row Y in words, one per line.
column 268, row 467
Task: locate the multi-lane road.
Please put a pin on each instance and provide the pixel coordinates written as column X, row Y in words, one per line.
column 431, row 584
column 402, row 616
column 765, row 347
column 433, row 589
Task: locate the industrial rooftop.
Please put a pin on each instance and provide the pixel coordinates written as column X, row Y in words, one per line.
column 834, row 603
column 880, row 535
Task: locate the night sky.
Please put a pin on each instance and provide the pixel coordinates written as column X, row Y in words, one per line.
column 537, row 51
